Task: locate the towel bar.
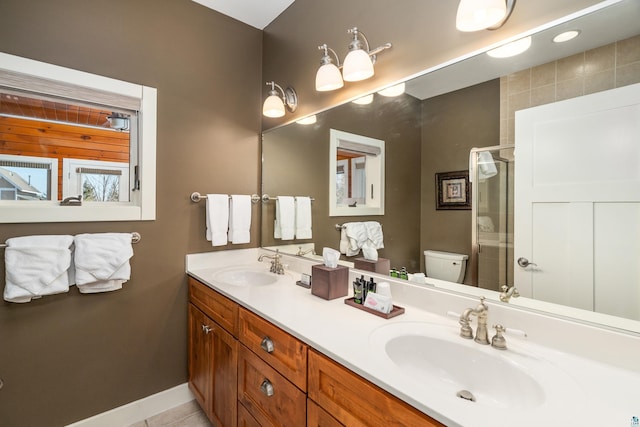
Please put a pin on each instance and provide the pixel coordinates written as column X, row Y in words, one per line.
column 266, row 198
column 135, row 238
column 196, row 197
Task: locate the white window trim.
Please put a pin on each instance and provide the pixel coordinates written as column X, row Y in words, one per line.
column 143, row 204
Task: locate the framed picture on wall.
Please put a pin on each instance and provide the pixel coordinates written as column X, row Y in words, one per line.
column 453, row 190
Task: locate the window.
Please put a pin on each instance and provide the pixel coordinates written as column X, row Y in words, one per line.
column 28, row 178
column 53, row 101
column 95, row 181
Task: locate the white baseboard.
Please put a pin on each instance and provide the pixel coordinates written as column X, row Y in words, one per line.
column 139, row 410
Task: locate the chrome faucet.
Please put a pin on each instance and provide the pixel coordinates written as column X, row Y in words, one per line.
column 508, row 292
column 276, row 265
column 480, row 312
column 303, row 253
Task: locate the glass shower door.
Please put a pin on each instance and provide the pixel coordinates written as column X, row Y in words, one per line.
column 492, row 176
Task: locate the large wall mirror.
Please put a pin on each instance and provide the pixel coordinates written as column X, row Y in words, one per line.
column 75, row 146
column 605, row 55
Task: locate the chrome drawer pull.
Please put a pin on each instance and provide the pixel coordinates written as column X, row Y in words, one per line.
column 266, row 388
column 206, row 329
column 267, row 345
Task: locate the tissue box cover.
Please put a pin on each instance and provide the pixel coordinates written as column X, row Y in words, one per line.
column 329, row 283
column 381, row 266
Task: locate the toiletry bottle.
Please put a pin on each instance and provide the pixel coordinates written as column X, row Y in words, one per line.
column 403, row 273
column 358, row 291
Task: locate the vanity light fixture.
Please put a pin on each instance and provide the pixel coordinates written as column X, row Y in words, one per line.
column 309, row 120
column 476, row 15
column 364, row 100
column 274, row 105
column 358, row 64
column 566, row 36
column 392, row 91
column 328, row 76
column 511, row 49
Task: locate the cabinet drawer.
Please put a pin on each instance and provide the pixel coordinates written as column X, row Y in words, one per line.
column 354, row 401
column 219, row 308
column 245, row 419
column 285, row 353
column 267, row 395
column 318, row 417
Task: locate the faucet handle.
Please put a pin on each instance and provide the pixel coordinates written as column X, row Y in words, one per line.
column 498, row 340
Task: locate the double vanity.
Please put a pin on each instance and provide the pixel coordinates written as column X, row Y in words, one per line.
column 264, row 351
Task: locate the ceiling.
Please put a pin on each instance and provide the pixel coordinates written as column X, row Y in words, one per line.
column 257, row 13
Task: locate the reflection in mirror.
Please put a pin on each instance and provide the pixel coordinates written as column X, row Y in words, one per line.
column 606, row 55
column 69, row 134
column 356, row 177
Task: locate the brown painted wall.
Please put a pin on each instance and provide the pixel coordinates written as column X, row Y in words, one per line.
column 296, row 162
column 452, row 125
column 67, row 357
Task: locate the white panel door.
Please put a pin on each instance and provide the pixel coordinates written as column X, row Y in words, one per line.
column 578, row 170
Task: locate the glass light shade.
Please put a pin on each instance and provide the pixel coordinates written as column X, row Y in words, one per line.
column 273, row 106
column 357, row 66
column 511, row 49
column 392, row 91
column 476, row 15
column 328, row 78
column 364, row 100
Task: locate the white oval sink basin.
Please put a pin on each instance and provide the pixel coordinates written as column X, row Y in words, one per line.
column 435, row 356
column 244, row 276
column 491, row 380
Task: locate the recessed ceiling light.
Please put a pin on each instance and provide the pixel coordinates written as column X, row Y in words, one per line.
column 307, row 120
column 511, row 49
column 365, row 100
column 396, row 90
column 566, row 36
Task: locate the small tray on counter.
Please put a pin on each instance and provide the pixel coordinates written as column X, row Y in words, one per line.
column 395, row 311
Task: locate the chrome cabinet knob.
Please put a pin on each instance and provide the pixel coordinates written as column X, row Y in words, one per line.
column 206, row 329
column 267, row 345
column 266, row 388
column 524, row 263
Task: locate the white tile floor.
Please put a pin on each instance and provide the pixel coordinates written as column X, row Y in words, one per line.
column 187, row 415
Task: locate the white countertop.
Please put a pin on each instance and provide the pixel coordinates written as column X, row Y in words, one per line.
column 596, row 394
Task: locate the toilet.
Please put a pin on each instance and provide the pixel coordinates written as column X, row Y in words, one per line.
column 445, row 265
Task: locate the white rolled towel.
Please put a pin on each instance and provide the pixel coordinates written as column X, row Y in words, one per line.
column 102, row 261
column 36, row 266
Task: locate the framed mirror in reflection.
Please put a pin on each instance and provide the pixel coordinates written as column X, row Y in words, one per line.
column 442, row 116
column 73, row 144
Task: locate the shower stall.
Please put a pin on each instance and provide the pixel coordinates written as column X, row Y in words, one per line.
column 491, row 172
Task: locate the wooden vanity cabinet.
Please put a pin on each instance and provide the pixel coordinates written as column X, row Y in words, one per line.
column 272, row 372
column 213, row 354
column 354, row 401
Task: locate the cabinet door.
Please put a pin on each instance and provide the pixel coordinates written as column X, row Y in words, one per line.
column 354, row 401
column 267, row 395
column 213, row 368
column 199, row 357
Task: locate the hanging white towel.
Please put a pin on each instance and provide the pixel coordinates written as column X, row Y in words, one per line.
column 374, row 234
column 486, row 166
column 285, row 218
column 217, row 208
column 240, row 219
column 36, row 266
column 102, row 261
column 303, row 217
column 356, row 234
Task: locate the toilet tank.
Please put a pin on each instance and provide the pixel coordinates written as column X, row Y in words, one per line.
column 447, row 266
